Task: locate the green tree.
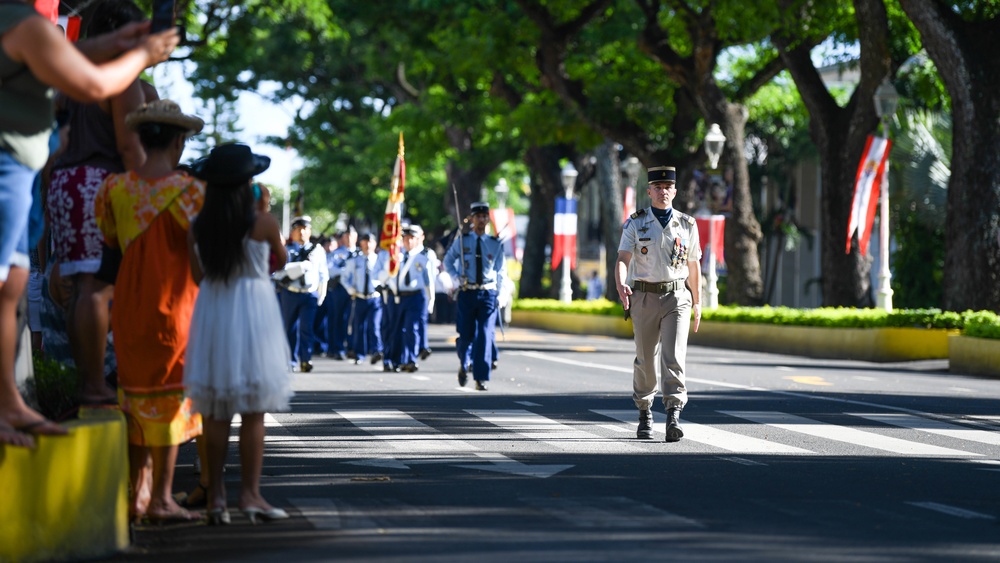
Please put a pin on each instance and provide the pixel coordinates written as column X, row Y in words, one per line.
column 958, row 36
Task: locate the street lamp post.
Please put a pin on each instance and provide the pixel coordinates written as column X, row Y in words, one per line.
column 501, row 190
column 569, row 175
column 714, row 143
column 886, row 99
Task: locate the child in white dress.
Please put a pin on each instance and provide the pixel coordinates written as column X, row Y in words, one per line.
column 237, row 354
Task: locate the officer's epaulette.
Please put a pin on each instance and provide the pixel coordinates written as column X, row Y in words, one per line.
column 687, row 218
column 638, row 214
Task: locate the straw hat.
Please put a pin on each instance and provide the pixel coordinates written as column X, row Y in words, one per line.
column 163, row 111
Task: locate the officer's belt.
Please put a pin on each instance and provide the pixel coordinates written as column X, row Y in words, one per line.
column 409, row 293
column 299, row 289
column 477, row 287
column 662, row 288
column 367, row 295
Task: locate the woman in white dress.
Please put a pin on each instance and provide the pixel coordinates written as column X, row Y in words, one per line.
column 237, row 355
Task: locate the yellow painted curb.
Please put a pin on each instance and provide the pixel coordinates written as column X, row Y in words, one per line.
column 66, row 499
column 979, row 356
column 867, row 344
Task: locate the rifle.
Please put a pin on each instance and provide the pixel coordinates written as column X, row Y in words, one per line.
column 458, row 226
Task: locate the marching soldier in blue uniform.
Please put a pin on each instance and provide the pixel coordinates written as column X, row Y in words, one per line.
column 360, row 279
column 661, row 295
column 476, row 260
column 339, row 309
column 301, row 297
column 433, row 267
column 413, row 291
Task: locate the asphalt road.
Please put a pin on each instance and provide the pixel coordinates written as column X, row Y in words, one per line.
column 784, row 459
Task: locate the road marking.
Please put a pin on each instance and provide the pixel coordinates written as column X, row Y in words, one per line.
column 420, row 377
column 933, row 426
column 544, row 429
column 741, row 460
column 527, row 403
column 808, row 380
column 952, row 510
column 730, row 441
column 322, row 513
column 403, row 432
column 551, row 358
column 845, row 434
column 609, row 513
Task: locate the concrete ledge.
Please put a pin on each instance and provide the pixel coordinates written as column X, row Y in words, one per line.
column 573, row 323
column 978, row 356
column 867, row 344
column 67, row 499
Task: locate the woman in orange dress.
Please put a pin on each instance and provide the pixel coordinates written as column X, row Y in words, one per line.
column 146, row 212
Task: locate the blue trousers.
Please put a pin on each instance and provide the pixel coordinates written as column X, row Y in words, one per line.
column 476, row 331
column 412, row 326
column 367, row 329
column 298, row 311
column 338, row 315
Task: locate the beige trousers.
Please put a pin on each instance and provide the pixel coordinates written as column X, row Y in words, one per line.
column 661, row 324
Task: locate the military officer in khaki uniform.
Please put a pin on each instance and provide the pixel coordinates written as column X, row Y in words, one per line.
column 661, row 293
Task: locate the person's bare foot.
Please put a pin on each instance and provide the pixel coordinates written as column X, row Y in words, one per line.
column 12, row 437
column 30, row 422
column 163, row 512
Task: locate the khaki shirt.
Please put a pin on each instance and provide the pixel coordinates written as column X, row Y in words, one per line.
column 660, row 254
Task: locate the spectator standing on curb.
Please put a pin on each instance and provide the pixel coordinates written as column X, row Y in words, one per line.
column 661, row 245
column 146, row 213
column 35, row 57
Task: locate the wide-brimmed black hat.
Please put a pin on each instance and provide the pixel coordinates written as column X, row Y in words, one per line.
column 662, row 174
column 232, row 163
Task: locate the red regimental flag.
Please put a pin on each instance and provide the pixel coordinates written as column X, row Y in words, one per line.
column 391, row 238
column 866, row 191
column 629, row 207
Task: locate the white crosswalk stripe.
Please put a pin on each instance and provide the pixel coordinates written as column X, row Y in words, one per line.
column 544, row 429
column 845, row 434
column 729, row 441
column 402, row 431
column 933, row 426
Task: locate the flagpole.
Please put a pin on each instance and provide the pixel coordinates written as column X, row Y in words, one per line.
column 885, row 100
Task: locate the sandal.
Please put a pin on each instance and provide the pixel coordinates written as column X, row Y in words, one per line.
column 173, row 517
column 197, row 498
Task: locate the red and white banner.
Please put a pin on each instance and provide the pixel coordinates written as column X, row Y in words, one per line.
column 866, row 191
column 49, row 9
column 392, row 238
column 564, row 233
column 505, row 230
column 629, row 206
column 712, row 230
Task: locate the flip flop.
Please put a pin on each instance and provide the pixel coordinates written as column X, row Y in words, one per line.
column 43, row 427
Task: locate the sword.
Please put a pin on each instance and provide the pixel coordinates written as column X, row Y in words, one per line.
column 458, row 223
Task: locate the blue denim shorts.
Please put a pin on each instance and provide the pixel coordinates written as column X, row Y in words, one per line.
column 15, row 205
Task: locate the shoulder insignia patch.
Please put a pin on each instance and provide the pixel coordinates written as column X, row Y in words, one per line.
column 639, row 213
column 688, row 219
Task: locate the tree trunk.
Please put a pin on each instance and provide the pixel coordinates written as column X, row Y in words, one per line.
column 546, row 184
column 840, row 134
column 609, row 180
column 744, row 285
column 972, row 232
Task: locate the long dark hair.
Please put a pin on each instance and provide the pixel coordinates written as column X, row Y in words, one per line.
column 110, row 15
column 224, row 221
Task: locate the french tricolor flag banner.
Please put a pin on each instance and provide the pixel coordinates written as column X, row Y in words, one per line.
column 629, row 207
column 866, row 191
column 564, row 231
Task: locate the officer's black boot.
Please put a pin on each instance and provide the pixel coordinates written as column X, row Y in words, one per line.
column 674, row 430
column 645, row 431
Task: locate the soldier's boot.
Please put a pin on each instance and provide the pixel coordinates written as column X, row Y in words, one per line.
column 645, row 431
column 674, row 430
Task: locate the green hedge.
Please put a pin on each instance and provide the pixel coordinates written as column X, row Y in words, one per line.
column 983, row 324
